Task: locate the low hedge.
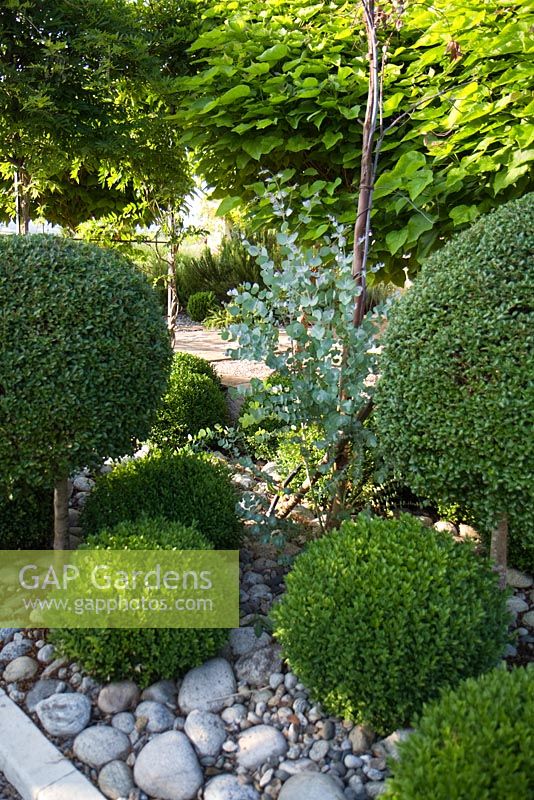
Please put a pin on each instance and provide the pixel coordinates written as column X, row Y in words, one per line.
column 380, row 615
column 200, row 304
column 177, row 486
column 144, row 654
column 474, row 743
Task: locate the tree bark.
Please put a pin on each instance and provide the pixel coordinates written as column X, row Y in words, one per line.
column 365, row 196
column 22, row 201
column 61, row 513
column 499, row 548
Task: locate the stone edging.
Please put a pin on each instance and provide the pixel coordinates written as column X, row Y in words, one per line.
column 32, row 764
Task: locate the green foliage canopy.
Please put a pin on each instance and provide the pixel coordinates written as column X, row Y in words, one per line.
column 283, row 85
column 454, row 401
column 84, row 356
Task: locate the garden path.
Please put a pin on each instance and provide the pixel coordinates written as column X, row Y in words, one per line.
column 208, row 344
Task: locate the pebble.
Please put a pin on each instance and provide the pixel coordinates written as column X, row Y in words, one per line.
column 528, row 619
column 161, row 692
column 168, row 768
column 234, row 714
column 361, row 738
column 256, row 667
column 319, row 750
column 101, row 744
column 312, row 787
column 517, row 579
column 6, row 634
column 206, row 731
column 158, row 717
column 116, row 697
column 208, row 687
column 115, row 780
column 259, row 745
column 244, row 640
column 516, row 605
column 46, row 654
column 124, row 721
column 298, row 766
column 20, row 669
column 375, row 788
column 13, row 650
column 64, row 714
column 41, row 690
column 229, row 787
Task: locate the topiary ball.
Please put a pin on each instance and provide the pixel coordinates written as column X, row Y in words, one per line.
column 27, row 518
column 189, row 363
column 200, row 304
column 187, row 488
column 145, row 654
column 194, row 400
column 84, row 357
column 455, row 397
column 381, row 614
column 474, row 743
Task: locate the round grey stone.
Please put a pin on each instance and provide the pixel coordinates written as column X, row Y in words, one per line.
column 124, row 721
column 244, row 640
column 161, row 692
column 312, row 786
column 375, row 788
column 228, row 787
column 167, row 768
column 116, row 697
column 64, row 714
column 13, row 650
column 46, row 654
column 6, row 634
column 256, row 667
column 516, row 605
column 158, row 717
column 319, row 750
column 361, row 738
column 41, row 690
column 207, row 687
column 528, row 619
column 206, row 731
column 115, row 780
column 517, row 579
column 101, row 744
column 20, row 669
column 261, row 744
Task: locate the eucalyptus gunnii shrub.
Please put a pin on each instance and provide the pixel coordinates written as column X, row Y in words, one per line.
column 84, row 358
column 327, row 373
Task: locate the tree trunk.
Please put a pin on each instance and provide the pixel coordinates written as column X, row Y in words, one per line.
column 365, row 196
column 499, row 548
column 22, row 201
column 61, row 513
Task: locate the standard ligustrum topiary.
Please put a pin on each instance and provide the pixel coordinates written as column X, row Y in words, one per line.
column 382, row 614
column 146, row 654
column 26, row 518
column 474, row 743
column 188, row 488
column 200, row 304
column 194, row 400
column 455, row 397
column 83, row 362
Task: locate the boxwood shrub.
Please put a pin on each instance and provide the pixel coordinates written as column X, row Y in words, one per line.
column 200, row 304
column 177, row 486
column 474, row 743
column 381, row 614
column 84, row 357
column 455, row 397
column 194, row 400
column 143, row 654
column 26, row 518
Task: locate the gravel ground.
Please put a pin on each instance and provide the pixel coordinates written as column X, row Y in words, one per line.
column 7, row 792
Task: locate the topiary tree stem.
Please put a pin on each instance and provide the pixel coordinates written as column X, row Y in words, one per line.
column 61, row 513
column 499, row 547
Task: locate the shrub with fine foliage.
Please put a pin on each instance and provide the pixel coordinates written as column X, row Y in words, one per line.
column 382, row 614
column 187, row 488
column 200, row 304
column 455, row 397
column 144, row 654
column 474, row 743
column 84, row 357
column 194, row 400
